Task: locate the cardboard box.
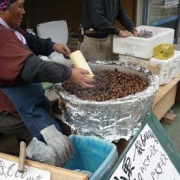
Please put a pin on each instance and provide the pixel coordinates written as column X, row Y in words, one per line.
column 164, row 51
column 168, row 118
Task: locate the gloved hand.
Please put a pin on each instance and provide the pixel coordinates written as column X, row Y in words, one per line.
column 61, row 143
column 41, row 152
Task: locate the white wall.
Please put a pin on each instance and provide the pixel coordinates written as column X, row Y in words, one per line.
column 139, row 12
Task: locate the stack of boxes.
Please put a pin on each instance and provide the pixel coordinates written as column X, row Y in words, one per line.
column 156, row 52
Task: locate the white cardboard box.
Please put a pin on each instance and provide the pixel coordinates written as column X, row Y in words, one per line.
column 143, row 47
column 168, row 69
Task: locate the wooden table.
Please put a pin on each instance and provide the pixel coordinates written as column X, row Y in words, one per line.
column 165, row 98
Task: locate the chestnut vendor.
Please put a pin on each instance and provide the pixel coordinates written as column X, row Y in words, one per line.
column 98, row 21
column 23, row 105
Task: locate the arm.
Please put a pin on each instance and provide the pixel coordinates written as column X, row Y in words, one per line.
column 40, row 46
column 125, row 21
column 18, row 62
column 37, row 70
column 36, row 44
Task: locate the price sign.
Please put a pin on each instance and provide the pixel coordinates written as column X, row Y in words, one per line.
column 9, row 170
column 146, row 159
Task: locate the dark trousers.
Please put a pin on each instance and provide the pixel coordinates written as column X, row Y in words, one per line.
column 11, row 125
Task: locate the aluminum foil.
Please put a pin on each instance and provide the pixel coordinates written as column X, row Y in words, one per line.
column 112, row 119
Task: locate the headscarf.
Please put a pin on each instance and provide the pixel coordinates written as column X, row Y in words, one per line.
column 5, row 3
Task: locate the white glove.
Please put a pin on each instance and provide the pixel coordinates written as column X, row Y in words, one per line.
column 62, row 145
column 41, row 152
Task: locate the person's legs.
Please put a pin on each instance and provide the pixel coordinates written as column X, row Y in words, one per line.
column 11, row 125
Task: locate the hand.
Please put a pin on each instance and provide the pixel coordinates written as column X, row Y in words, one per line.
column 135, row 33
column 61, row 144
column 78, row 77
column 124, row 33
column 41, row 152
column 62, row 48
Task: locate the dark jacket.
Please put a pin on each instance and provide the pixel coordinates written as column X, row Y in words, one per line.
column 102, row 14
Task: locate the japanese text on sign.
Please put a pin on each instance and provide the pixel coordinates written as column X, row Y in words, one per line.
column 146, row 159
column 9, row 170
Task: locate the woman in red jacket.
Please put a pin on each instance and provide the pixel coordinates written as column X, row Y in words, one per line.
column 24, row 107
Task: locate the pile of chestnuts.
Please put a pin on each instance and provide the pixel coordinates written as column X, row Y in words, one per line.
column 109, row 84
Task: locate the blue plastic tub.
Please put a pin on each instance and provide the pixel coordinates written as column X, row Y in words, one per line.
column 94, row 155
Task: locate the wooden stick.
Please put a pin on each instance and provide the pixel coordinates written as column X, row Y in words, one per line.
column 22, row 157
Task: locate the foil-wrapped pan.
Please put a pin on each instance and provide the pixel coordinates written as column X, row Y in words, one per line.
column 112, row 119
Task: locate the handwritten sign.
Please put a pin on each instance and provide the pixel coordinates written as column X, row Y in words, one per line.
column 146, row 159
column 9, row 170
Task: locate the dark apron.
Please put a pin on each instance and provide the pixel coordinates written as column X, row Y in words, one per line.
column 32, row 106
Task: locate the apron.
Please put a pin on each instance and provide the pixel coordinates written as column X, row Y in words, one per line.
column 96, row 49
column 32, row 106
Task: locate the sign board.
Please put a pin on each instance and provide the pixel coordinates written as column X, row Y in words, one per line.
column 35, row 170
column 149, row 155
column 9, row 170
